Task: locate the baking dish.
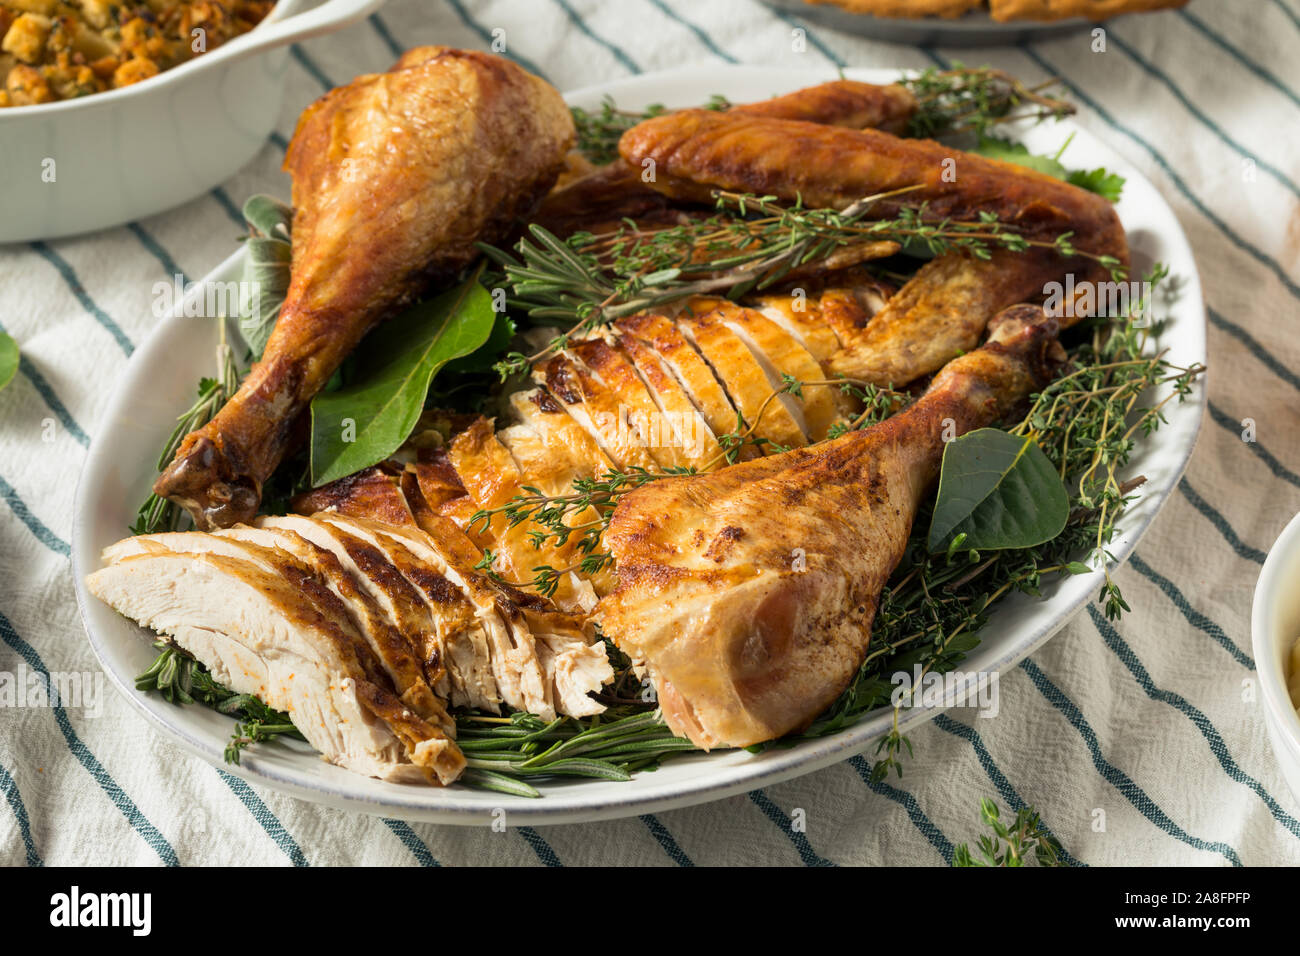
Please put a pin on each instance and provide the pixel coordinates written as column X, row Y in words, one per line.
column 73, row 166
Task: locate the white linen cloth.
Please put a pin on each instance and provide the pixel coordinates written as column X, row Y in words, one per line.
column 1143, row 722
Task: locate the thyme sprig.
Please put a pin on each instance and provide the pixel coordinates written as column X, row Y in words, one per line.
column 1025, row 838
column 751, row 243
column 974, row 100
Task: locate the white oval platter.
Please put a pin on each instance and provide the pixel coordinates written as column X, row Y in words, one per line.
column 160, row 379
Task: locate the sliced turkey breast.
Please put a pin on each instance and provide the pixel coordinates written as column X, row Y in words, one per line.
column 286, row 639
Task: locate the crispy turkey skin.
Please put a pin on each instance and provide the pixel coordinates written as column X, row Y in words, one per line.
column 395, row 176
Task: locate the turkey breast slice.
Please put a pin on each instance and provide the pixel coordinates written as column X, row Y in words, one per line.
column 284, row 638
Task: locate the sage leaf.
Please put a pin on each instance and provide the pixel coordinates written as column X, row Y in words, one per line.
column 8, row 359
column 264, row 283
column 270, row 217
column 1000, row 491
column 367, row 419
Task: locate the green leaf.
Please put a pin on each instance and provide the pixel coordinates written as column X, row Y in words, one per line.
column 1107, row 185
column 270, row 217
column 993, row 147
column 365, row 421
column 8, row 359
column 484, row 357
column 1000, row 491
column 264, row 283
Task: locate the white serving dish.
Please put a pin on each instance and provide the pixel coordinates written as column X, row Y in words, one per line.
column 1274, row 628
column 129, row 153
column 160, row 380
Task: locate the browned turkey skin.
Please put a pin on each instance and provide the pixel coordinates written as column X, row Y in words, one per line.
column 749, row 593
column 395, row 177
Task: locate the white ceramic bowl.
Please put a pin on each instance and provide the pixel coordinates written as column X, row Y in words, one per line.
column 125, row 154
column 1274, row 628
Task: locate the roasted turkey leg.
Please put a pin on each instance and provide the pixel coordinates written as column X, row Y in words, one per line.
column 395, row 176
column 749, row 593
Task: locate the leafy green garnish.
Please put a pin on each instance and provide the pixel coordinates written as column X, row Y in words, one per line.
column 181, row 679
column 367, row 419
column 1105, row 184
column 1099, row 181
column 996, row 491
column 264, row 281
column 1025, row 835
column 8, row 359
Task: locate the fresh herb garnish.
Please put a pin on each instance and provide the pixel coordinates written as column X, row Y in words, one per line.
column 752, row 243
column 1025, row 835
column 158, row 514
column 964, row 100
column 8, row 359
column 367, row 419
column 181, row 679
column 996, row 491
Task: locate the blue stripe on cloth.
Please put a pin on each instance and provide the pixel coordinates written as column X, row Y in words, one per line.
column 661, row 834
column 1212, row 35
column 34, row 524
column 1193, row 616
column 700, row 35
column 923, row 823
column 996, row 776
column 1113, row 775
column 9, row 787
column 1256, row 349
column 148, row 832
column 419, row 849
column 578, row 22
column 811, row 36
column 1291, row 14
column 156, row 250
column 263, row 815
column 1205, row 120
column 395, row 48
column 50, row 397
column 540, row 846
column 46, row 391
column 308, row 64
column 1220, row 524
column 232, row 210
column 79, row 291
column 1202, row 723
column 1279, row 470
column 280, row 142
column 783, row 823
column 486, row 36
column 1255, row 253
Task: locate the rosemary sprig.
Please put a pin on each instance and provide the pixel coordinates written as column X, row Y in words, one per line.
column 752, row 243
column 965, row 100
column 181, row 679
column 502, row 751
column 158, row 514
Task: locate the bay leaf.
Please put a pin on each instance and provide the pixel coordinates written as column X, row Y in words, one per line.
column 367, row 419
column 999, row 490
column 8, row 359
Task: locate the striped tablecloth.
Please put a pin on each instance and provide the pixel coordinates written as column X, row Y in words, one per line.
column 1140, row 726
